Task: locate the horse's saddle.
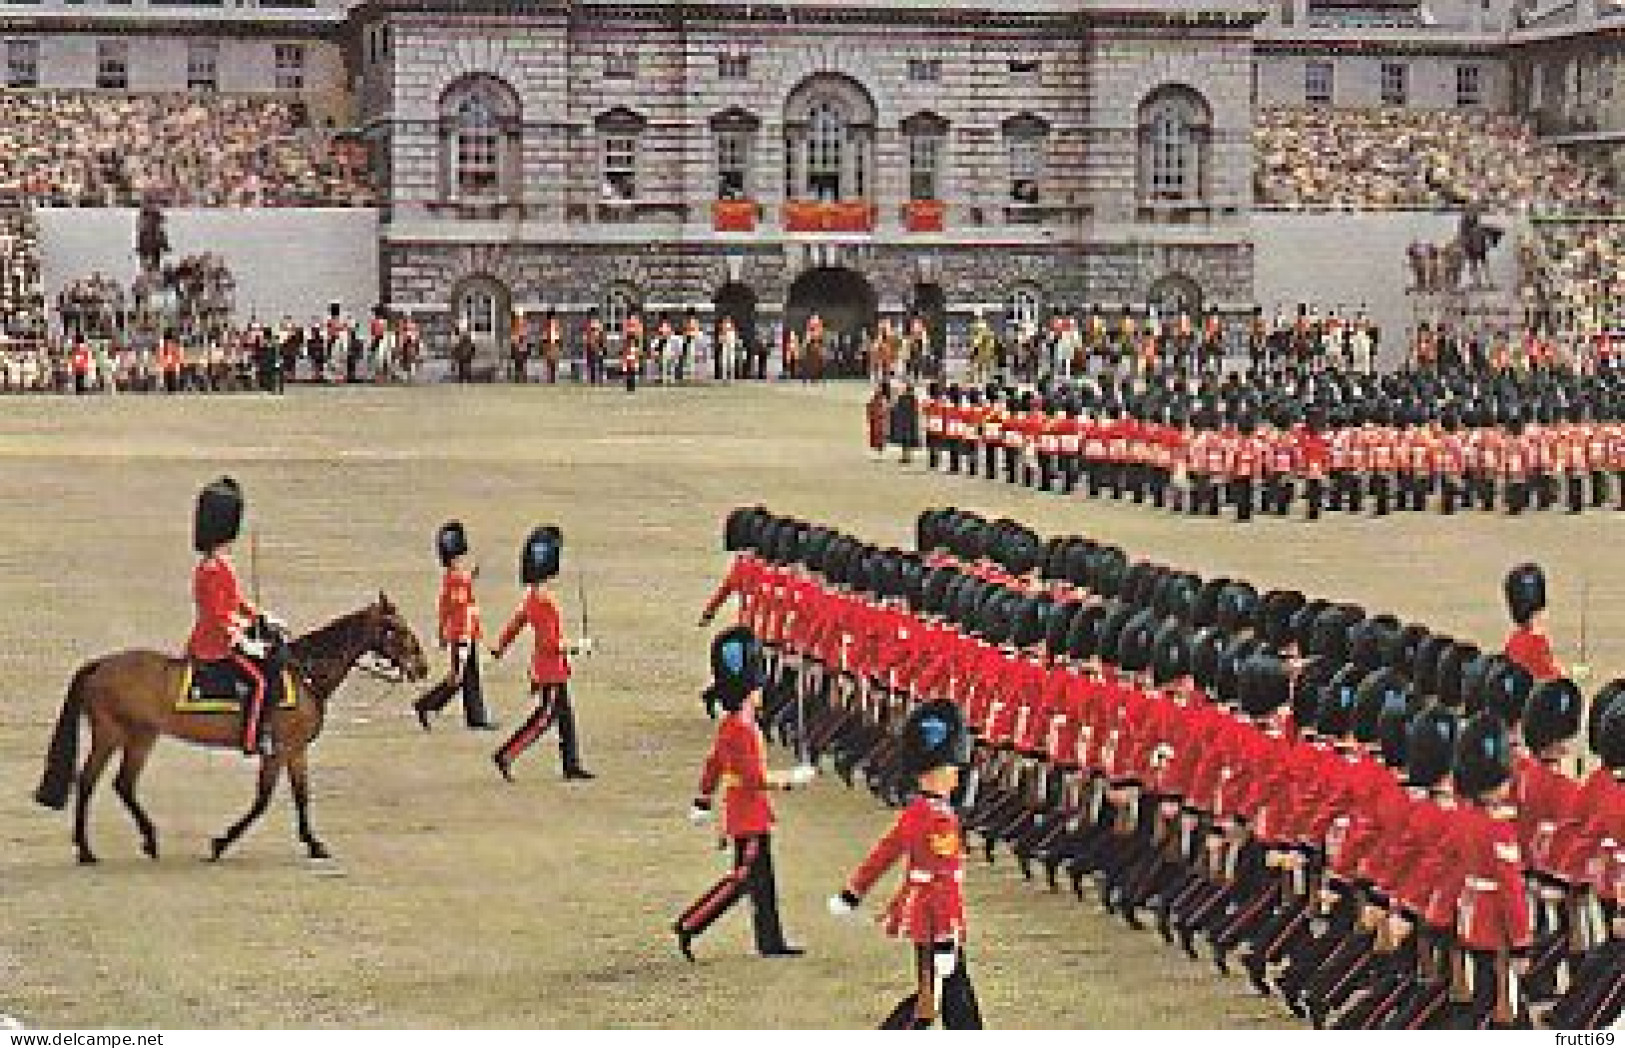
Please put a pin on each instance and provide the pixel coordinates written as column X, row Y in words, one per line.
column 223, row 687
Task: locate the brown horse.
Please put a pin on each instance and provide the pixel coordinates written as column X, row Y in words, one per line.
column 130, row 699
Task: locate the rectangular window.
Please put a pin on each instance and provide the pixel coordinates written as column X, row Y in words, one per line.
column 733, row 165
column 925, row 70
column 1395, row 85
column 113, row 65
column 924, row 167
column 1026, row 168
column 1317, row 83
column 1469, row 85
column 22, row 63
column 1024, row 67
column 620, row 167
column 290, row 67
column 621, row 65
column 733, row 67
column 203, row 65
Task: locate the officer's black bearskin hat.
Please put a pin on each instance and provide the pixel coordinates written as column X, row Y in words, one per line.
column 450, row 541
column 218, row 517
column 737, row 667
column 933, row 737
column 1525, row 592
column 1430, row 746
column 1483, row 755
column 1552, row 713
column 541, row 557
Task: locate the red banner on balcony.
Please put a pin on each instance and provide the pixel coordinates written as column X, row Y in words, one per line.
column 925, row 216
column 841, row 216
column 733, row 216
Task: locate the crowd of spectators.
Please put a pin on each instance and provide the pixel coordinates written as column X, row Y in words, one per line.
column 1571, row 277
column 1391, row 158
column 74, row 149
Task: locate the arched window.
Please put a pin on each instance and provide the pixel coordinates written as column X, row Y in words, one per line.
column 1026, row 137
column 1023, row 311
column 927, row 136
column 1175, row 128
column 829, row 130
column 620, row 303
column 479, row 134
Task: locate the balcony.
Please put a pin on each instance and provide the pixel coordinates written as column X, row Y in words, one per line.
column 925, row 216
column 839, row 216
column 734, row 216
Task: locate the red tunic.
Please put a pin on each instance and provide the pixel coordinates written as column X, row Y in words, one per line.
column 1533, row 652
column 222, row 610
column 738, row 765
column 459, row 612
column 1493, row 913
column 548, row 664
column 929, row 906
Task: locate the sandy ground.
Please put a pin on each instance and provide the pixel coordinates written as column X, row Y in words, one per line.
column 467, row 902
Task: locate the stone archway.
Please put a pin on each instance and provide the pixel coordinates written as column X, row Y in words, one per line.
column 847, row 304
column 1176, row 293
column 486, row 305
column 737, row 302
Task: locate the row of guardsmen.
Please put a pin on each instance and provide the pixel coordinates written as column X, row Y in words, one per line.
column 1260, row 449
column 1373, row 815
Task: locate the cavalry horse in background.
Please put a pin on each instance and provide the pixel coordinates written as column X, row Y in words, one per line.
column 131, row 698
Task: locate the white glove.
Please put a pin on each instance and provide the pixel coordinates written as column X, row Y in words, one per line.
column 1580, row 673
column 842, row 905
column 801, row 775
column 275, row 623
column 945, row 958
column 699, row 814
column 581, row 647
column 254, row 649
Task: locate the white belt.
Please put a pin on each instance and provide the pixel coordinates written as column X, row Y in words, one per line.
column 1482, row 884
column 926, row 876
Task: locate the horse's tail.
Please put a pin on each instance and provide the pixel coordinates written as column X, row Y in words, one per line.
column 63, row 756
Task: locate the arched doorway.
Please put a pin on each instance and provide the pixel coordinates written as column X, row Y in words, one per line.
column 846, row 303
column 737, row 302
column 1174, row 294
column 485, row 305
column 931, row 305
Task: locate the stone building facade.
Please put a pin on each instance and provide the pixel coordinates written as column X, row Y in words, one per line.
column 764, row 162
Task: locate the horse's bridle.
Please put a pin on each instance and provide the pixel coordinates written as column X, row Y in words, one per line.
column 380, row 667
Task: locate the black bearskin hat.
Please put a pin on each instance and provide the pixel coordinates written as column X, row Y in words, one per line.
column 218, row 518
column 1483, row 755
column 1430, row 746
column 1552, row 714
column 1276, row 615
column 1335, row 718
column 739, row 529
column 450, row 541
column 933, row 737
column 1263, row 684
column 1525, row 592
column 1171, row 653
column 737, row 668
column 1083, row 637
column 1206, row 649
column 1381, row 691
column 540, row 559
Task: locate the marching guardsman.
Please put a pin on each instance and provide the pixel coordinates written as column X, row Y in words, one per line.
column 1527, row 645
column 928, row 909
column 730, row 359
column 1493, row 924
column 1095, row 339
column 519, row 344
column 1211, row 358
column 934, row 408
column 550, row 662
column 228, row 628
column 81, row 367
column 737, row 765
column 688, row 344
column 592, row 344
column 552, row 345
column 812, row 370
column 631, row 351
column 460, row 633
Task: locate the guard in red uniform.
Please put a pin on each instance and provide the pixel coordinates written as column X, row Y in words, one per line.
column 460, row 633
column 228, row 628
column 550, row 664
column 1528, row 645
column 929, row 909
column 737, row 765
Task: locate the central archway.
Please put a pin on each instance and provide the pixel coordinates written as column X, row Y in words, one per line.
column 846, row 302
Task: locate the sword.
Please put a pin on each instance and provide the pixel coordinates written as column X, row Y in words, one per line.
column 581, row 600
column 254, row 567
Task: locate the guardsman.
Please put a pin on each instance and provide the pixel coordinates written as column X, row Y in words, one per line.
column 460, row 633
column 550, row 661
column 737, row 765
column 928, row 910
column 632, row 350
column 552, row 345
column 81, row 367
column 814, row 364
column 934, row 409
column 592, row 344
column 731, row 359
column 228, row 628
column 1211, row 359
column 1528, row 645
